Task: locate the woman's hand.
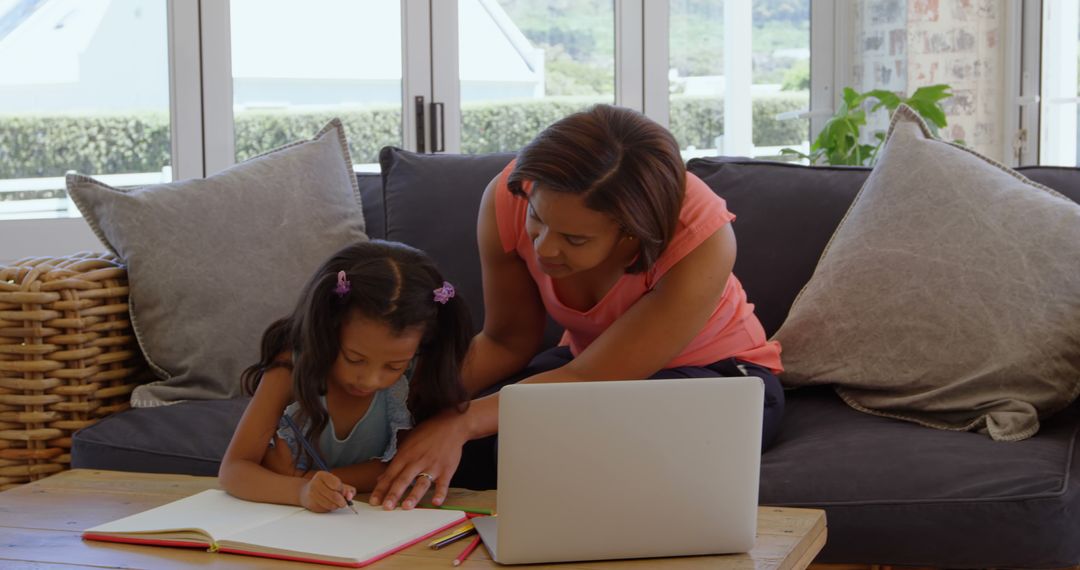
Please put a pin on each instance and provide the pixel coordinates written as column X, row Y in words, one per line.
column 434, row 448
column 325, row 492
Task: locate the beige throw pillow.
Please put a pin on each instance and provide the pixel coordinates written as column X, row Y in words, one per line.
column 213, row 261
column 948, row 296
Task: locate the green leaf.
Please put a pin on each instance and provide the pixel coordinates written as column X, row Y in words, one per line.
column 886, row 99
column 925, row 101
column 822, row 140
column 858, row 119
column 838, row 133
column 842, row 137
column 851, row 98
column 867, row 152
column 931, row 93
column 930, row 111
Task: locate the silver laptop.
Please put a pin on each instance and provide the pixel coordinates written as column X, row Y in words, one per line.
column 626, row 469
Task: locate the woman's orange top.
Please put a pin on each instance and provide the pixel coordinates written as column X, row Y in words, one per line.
column 732, row 331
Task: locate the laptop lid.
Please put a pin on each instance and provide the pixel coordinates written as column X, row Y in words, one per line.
column 627, row 469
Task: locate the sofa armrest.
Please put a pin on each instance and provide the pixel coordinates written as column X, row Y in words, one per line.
column 68, row 357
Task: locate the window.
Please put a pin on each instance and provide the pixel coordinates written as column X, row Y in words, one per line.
column 1060, row 83
column 526, row 63
column 84, row 86
column 739, row 76
column 144, row 91
column 294, row 68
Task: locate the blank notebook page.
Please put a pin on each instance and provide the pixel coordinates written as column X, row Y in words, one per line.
column 343, row 534
column 215, row 512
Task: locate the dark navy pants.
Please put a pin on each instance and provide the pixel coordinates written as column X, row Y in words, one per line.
column 479, row 461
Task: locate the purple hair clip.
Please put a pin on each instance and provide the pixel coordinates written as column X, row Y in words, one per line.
column 444, row 293
column 343, row 285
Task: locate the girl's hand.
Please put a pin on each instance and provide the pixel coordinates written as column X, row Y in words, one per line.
column 434, row 448
column 325, row 492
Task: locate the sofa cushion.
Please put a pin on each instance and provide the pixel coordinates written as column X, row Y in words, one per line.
column 188, row 438
column 1063, row 179
column 432, row 202
column 371, row 198
column 948, row 296
column 892, row 490
column 785, row 214
column 212, row 262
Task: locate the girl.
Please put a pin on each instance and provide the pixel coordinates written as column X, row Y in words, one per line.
column 375, row 342
column 598, row 225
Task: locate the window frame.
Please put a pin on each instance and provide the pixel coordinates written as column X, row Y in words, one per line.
column 200, row 78
column 1029, row 81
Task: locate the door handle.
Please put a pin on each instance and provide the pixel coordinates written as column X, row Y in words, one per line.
column 437, row 123
column 420, row 134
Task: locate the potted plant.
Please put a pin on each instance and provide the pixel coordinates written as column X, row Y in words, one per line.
column 839, row 142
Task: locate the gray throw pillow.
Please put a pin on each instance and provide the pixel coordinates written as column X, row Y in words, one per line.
column 949, row 295
column 212, row 262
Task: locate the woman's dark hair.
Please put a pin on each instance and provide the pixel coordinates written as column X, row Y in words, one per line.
column 391, row 283
column 624, row 165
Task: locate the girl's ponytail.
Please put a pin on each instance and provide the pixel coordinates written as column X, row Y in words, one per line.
column 274, row 341
column 436, row 382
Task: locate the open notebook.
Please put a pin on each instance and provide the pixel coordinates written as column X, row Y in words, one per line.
column 215, row 520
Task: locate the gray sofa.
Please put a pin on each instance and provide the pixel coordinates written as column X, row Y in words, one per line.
column 894, row 492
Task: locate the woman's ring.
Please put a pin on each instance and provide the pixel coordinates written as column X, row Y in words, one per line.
column 425, row 474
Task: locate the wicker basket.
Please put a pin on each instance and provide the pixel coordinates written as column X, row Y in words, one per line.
column 68, row 358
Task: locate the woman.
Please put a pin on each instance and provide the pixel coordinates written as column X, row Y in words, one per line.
column 598, row 224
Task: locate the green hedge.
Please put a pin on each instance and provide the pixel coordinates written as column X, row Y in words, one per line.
column 32, row 147
column 484, row 126
column 53, row 145
column 695, row 121
column 368, row 130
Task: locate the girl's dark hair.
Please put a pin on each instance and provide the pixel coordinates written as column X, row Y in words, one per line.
column 391, row 283
column 624, row 165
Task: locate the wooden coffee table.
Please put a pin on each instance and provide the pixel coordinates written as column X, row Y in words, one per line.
column 40, row 526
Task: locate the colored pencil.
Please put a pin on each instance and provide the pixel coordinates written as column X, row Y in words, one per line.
column 473, row 510
column 459, row 530
column 468, row 550
column 452, row 539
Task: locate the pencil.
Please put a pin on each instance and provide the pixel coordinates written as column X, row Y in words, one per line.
column 459, row 530
column 468, row 550
column 314, row 456
column 473, row 510
column 465, row 527
column 452, row 539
